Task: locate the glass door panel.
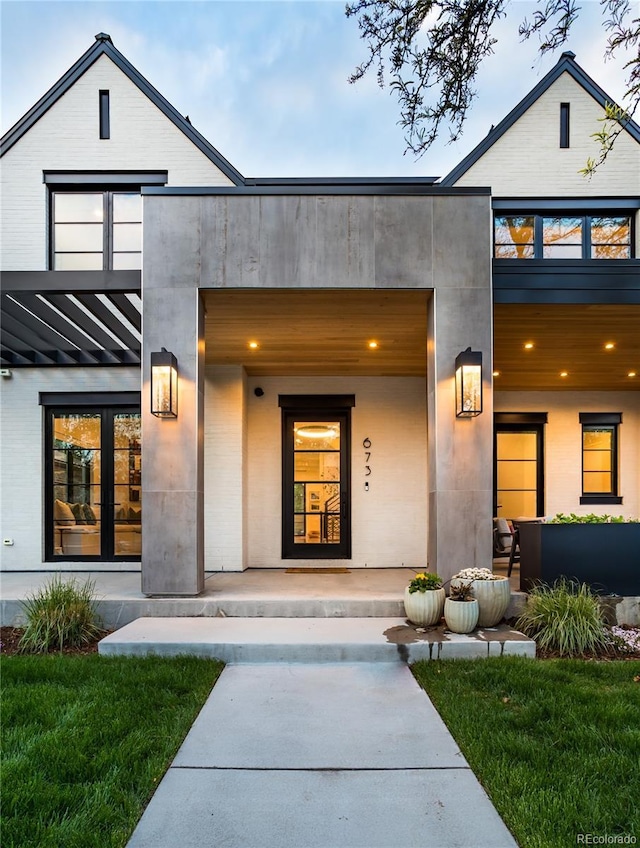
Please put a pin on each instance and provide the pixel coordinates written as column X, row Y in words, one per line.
column 518, row 471
column 77, row 482
column 127, row 483
column 315, row 485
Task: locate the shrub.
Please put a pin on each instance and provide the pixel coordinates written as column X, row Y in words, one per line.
column 565, row 618
column 61, row 614
column 592, row 518
column 425, row 582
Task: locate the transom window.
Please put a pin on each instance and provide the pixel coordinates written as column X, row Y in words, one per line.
column 562, row 237
column 96, row 230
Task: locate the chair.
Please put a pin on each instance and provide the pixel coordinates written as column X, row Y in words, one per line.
column 502, row 537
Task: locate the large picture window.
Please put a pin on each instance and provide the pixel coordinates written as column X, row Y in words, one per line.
column 93, row 482
column 96, row 230
column 562, row 236
column 600, row 457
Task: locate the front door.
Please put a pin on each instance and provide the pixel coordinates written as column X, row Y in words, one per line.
column 316, row 505
column 518, row 472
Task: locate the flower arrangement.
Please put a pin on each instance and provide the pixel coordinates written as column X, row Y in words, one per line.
column 471, row 574
column 425, row 582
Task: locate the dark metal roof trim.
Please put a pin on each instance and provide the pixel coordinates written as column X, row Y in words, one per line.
column 104, row 47
column 566, row 63
column 387, row 189
column 102, row 178
column 562, row 204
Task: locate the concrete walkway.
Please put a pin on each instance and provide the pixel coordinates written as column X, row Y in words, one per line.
column 319, row 756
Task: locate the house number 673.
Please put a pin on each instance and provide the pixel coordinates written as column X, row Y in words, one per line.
column 366, row 444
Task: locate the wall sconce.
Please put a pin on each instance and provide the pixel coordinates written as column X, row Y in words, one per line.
column 164, row 384
column 468, row 383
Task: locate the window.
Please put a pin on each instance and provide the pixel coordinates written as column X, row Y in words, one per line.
column 103, row 108
column 562, row 236
column 600, row 457
column 564, row 124
column 96, row 230
column 93, row 480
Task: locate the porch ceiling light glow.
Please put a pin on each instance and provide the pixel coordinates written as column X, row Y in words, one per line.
column 564, row 373
column 316, row 431
column 468, row 383
column 631, row 374
column 164, row 384
column 254, row 345
column 528, row 346
column 609, row 346
column 373, row 344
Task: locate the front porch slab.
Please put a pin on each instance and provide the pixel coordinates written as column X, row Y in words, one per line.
column 308, row 640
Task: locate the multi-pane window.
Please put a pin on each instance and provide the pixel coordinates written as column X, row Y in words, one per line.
column 96, row 231
column 599, row 457
column 562, row 237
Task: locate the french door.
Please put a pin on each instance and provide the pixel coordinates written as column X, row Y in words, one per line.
column 93, row 479
column 316, row 505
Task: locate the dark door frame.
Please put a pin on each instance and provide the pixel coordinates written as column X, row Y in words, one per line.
column 521, row 422
column 316, row 408
column 107, row 481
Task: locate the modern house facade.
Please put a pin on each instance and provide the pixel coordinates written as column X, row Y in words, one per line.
column 316, row 328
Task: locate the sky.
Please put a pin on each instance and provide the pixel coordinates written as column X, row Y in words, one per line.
column 266, row 81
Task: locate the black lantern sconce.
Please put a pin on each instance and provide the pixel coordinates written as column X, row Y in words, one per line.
column 468, row 383
column 164, row 384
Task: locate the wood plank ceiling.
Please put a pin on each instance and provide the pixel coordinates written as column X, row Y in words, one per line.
column 567, row 338
column 318, row 332
column 326, row 332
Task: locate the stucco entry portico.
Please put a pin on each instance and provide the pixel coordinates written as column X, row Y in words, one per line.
column 346, row 238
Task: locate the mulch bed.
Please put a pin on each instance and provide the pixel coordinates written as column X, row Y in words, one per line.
column 10, row 637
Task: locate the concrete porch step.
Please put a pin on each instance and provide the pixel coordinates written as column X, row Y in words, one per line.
column 308, row 640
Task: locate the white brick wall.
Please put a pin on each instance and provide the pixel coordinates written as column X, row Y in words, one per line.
column 563, row 444
column 22, row 463
column 67, row 138
column 528, row 161
column 389, row 521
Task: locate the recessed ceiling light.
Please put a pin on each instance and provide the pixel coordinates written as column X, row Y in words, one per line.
column 631, row 374
column 254, row 345
column 373, row 344
column 609, row 346
column 496, row 373
column 528, row 346
column 564, row 373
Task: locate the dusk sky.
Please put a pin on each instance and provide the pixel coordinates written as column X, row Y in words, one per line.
column 266, row 82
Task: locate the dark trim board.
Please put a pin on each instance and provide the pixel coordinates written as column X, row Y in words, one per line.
column 89, row 398
column 559, row 296
column 105, row 178
column 68, row 282
column 564, row 204
column 520, row 417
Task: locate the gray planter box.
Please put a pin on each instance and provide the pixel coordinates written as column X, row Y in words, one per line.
column 607, row 556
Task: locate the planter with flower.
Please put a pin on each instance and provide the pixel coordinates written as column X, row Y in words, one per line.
column 424, row 599
column 492, row 592
column 460, row 608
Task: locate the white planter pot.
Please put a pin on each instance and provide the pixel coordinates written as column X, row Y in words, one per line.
column 493, row 598
column 424, row 608
column 461, row 616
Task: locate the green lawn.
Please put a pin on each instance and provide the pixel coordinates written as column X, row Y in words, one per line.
column 555, row 743
column 85, row 741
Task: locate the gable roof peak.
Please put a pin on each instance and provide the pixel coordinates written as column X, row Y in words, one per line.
column 103, row 46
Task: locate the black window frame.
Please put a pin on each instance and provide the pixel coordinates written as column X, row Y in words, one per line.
column 565, row 112
column 107, row 405
column 586, row 218
column 590, row 421
column 103, row 113
column 107, row 220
